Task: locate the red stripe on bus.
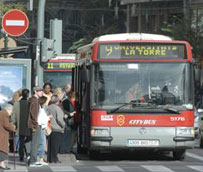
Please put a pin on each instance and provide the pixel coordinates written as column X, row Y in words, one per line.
column 101, row 118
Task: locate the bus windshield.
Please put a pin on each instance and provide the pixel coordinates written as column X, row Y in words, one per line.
column 158, row 83
column 58, row 78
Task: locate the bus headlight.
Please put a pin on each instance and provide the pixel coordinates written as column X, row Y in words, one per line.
column 185, row 131
column 100, row 132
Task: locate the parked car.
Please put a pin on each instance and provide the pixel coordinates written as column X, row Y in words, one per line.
column 200, row 112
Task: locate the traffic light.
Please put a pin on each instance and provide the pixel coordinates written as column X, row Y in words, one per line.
column 52, row 47
column 56, row 34
column 47, row 49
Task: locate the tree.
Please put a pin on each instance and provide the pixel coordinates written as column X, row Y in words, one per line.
column 189, row 29
column 97, row 18
column 77, row 44
column 4, row 7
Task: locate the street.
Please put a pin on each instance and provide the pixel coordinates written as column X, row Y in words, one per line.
column 120, row 162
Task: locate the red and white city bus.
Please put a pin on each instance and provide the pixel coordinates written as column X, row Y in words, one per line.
column 135, row 91
column 58, row 71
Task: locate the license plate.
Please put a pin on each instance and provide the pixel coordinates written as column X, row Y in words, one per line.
column 142, row 143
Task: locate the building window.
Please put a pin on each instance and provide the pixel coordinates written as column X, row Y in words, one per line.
column 76, row 17
column 61, row 15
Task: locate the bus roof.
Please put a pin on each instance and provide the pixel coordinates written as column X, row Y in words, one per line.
column 131, row 36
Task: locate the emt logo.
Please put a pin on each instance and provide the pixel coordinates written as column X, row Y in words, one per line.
column 120, row 120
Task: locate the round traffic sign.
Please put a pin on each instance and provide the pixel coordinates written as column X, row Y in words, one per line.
column 15, row 22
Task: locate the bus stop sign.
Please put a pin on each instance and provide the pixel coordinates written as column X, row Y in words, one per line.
column 15, row 22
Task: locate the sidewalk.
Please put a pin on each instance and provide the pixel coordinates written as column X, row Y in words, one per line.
column 66, row 159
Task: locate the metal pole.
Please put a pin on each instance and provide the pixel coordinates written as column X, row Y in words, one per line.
column 5, row 43
column 14, row 149
column 40, row 35
column 128, row 19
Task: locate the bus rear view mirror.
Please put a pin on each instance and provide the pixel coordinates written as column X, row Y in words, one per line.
column 197, row 74
column 200, row 110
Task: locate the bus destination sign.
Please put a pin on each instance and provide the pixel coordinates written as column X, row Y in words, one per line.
column 59, row 65
column 141, row 51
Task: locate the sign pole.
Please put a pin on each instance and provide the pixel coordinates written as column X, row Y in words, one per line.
column 5, row 43
column 40, row 36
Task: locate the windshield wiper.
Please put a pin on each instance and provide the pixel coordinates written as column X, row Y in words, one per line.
column 116, row 109
column 138, row 103
column 168, row 109
column 132, row 102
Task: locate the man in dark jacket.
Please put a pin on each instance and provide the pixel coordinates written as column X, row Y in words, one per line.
column 33, row 125
column 20, row 118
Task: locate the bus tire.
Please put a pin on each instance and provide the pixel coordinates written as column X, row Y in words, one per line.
column 93, row 154
column 201, row 141
column 179, row 154
column 81, row 150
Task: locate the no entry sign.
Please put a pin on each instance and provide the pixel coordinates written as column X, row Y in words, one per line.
column 15, row 22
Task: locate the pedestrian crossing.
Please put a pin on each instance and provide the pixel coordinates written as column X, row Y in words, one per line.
column 61, row 169
column 141, row 168
column 113, row 168
column 157, row 168
column 197, row 168
column 110, row 168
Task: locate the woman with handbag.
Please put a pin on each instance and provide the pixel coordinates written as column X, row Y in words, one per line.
column 57, row 127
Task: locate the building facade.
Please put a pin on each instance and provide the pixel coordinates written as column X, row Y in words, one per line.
column 152, row 15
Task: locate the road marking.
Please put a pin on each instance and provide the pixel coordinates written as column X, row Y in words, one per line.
column 110, row 168
column 18, row 169
column 196, row 167
column 157, row 168
column 15, row 23
column 64, row 168
column 194, row 156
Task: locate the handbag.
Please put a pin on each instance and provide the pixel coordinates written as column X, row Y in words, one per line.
column 70, row 121
column 47, row 131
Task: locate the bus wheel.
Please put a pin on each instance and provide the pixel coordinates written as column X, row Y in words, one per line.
column 201, row 140
column 93, row 154
column 81, row 150
column 179, row 154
